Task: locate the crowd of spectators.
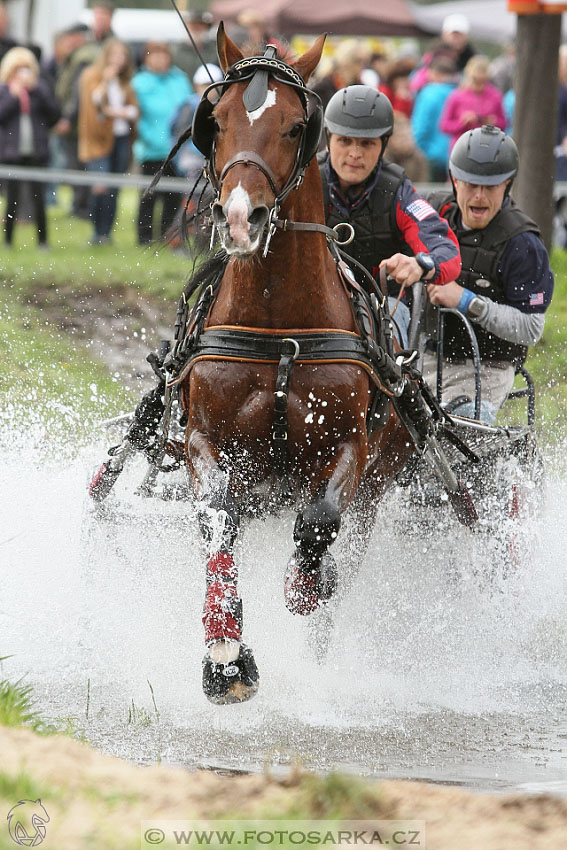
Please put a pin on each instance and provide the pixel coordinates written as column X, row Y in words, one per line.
column 450, row 88
column 97, row 105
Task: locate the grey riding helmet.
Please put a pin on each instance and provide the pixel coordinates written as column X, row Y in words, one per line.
column 359, row 112
column 485, row 156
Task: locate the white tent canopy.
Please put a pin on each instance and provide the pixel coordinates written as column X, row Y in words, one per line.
column 490, row 20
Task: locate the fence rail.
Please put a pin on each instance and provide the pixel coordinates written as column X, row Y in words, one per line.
column 91, row 178
column 140, row 181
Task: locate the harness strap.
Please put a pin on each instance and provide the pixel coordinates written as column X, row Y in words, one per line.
column 328, row 346
column 330, row 232
column 281, row 394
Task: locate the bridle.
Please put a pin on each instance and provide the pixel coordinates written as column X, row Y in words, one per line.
column 257, row 70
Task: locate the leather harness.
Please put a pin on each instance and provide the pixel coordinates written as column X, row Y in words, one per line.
column 371, row 348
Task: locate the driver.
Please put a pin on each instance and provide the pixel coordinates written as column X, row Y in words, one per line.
column 394, row 227
column 505, row 285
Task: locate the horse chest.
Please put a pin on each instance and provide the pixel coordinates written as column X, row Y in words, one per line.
column 236, row 401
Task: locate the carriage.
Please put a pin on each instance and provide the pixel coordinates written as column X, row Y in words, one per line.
column 284, row 378
column 503, row 467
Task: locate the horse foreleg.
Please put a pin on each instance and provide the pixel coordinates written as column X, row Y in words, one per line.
column 229, row 670
column 311, row 576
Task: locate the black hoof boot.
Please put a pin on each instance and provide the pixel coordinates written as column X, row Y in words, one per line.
column 236, row 681
column 309, row 583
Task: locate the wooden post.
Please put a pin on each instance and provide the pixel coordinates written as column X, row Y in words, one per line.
column 535, row 118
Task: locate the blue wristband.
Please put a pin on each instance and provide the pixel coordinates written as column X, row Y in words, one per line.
column 466, row 299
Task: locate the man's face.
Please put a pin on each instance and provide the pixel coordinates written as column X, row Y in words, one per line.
column 102, row 21
column 479, row 204
column 353, row 159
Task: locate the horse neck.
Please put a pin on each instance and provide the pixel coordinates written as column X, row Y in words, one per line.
column 297, row 284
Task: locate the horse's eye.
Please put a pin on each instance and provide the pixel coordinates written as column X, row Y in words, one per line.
column 296, row 130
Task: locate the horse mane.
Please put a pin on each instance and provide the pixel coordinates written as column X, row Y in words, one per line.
column 284, row 50
column 207, row 272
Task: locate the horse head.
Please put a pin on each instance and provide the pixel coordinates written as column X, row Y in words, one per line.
column 258, row 138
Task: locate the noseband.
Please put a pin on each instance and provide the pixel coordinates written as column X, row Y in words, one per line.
column 250, row 158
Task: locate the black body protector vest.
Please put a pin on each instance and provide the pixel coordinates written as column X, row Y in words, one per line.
column 481, row 252
column 376, row 235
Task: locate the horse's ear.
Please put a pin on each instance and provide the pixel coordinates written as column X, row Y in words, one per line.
column 307, row 63
column 228, row 52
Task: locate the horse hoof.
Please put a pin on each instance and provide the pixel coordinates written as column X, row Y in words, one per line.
column 236, row 681
column 307, row 586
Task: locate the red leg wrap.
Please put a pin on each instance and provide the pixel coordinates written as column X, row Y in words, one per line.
column 222, row 614
column 300, row 591
column 221, row 567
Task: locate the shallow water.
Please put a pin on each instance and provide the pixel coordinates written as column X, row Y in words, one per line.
column 425, row 676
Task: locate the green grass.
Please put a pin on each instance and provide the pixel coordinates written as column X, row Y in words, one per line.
column 15, row 788
column 17, row 707
column 547, row 361
column 46, row 372
column 23, row 787
column 319, row 805
column 72, row 261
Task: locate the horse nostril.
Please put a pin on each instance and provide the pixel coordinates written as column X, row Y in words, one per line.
column 258, row 217
column 219, row 218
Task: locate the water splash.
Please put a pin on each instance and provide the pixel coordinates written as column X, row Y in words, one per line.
column 424, row 675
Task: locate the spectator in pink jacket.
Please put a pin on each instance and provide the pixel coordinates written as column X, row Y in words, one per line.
column 474, row 103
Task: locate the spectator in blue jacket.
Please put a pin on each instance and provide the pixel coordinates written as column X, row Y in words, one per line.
column 161, row 88
column 427, row 112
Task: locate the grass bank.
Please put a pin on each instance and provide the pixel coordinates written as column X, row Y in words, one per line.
column 94, row 801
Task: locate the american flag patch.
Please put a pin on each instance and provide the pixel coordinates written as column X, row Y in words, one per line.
column 420, row 209
column 536, row 299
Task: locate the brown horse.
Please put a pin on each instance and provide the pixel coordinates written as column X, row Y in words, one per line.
column 279, row 282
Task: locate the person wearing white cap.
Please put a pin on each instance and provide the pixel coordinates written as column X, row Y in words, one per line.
column 455, row 35
column 189, row 161
column 456, row 22
column 205, row 75
column 453, row 44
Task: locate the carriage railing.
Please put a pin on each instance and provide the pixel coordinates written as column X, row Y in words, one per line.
column 442, row 312
column 417, row 339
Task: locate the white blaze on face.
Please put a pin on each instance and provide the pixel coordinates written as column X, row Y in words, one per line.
column 270, row 101
column 237, row 209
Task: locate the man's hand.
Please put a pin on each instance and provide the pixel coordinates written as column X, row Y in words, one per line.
column 404, row 270
column 448, row 295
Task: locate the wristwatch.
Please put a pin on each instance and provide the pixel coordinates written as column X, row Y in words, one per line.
column 476, row 307
column 425, row 261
